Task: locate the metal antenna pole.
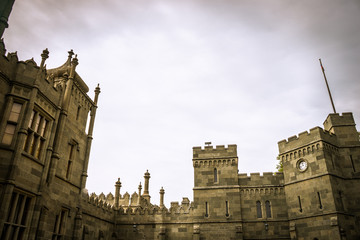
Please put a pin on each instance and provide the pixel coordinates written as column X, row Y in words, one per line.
column 327, row 85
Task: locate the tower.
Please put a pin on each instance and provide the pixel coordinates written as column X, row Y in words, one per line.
column 44, row 146
column 321, row 177
column 216, row 188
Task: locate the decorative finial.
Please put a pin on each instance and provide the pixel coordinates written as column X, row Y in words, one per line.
column 71, row 53
column 97, row 89
column 118, row 182
column 208, row 143
column 45, row 54
column 75, row 61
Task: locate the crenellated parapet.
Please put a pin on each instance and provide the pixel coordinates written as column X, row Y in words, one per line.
column 186, row 207
column 209, row 152
column 307, row 142
column 215, row 157
column 335, row 120
column 100, row 201
column 266, row 179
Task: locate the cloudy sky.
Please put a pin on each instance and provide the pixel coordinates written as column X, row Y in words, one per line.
column 176, row 74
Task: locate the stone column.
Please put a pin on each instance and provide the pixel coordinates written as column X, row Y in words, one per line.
column 146, row 186
column 162, row 192
column 117, row 192
column 89, row 137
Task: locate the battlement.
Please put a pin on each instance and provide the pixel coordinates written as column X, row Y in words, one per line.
column 306, row 138
column 102, row 202
column 220, row 151
column 335, row 120
column 255, row 179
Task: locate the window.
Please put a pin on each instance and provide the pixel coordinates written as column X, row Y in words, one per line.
column 78, row 113
column 59, row 226
column 227, row 209
column 101, row 235
column 268, row 209
column 206, row 209
column 319, row 198
column 258, row 209
column 36, row 134
column 352, row 163
column 70, row 160
column 16, row 221
column 11, row 123
column 300, row 208
column 341, row 201
column 215, row 175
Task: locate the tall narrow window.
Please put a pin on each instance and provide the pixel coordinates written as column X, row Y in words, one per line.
column 341, row 201
column 88, row 122
column 206, row 209
column 333, row 161
column 17, row 219
column 227, row 209
column 352, row 163
column 78, row 113
column 215, row 175
column 258, row 209
column 37, row 129
column 11, row 123
column 268, row 209
column 101, row 235
column 300, row 208
column 59, row 225
column 319, row 198
column 70, row 160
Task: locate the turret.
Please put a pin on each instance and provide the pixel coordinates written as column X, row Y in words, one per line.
column 117, row 192
column 162, row 192
column 139, row 194
column 343, row 126
column 146, row 195
column 215, row 166
column 216, row 188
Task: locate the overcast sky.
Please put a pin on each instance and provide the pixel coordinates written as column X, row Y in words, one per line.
column 176, row 74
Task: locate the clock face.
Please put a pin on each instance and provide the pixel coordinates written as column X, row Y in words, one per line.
column 302, row 165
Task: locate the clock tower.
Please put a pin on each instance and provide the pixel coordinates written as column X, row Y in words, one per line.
column 321, row 174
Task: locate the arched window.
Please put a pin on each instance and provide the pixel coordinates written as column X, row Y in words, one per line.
column 268, row 209
column 258, row 209
column 215, row 175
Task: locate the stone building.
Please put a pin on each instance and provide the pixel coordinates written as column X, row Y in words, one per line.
column 46, row 124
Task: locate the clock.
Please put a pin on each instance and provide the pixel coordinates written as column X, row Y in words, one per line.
column 302, row 165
